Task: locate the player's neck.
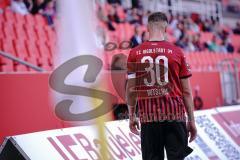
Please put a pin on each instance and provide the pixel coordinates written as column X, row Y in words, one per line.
column 157, row 37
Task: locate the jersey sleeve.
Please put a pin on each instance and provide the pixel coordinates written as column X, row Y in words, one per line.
column 131, row 65
column 185, row 69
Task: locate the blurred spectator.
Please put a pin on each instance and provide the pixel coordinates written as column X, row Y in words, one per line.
column 222, row 33
column 113, row 16
column 198, row 102
column 236, row 30
column 101, row 36
column 145, row 17
column 207, row 26
column 29, row 4
column 135, row 4
column 18, row 6
column 174, row 21
column 114, row 1
column 145, row 36
column 133, row 17
column 104, row 18
column 178, row 31
column 137, row 37
column 126, row 4
column 226, row 47
column 212, row 45
column 49, row 12
column 233, row 6
column 101, row 15
column 39, row 6
column 193, row 26
column 189, row 44
column 120, row 111
column 196, row 42
column 182, row 42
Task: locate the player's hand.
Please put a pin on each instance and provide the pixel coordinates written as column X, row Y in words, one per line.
column 134, row 125
column 192, row 130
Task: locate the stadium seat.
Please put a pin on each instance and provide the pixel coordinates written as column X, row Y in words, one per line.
column 31, row 34
column 20, row 19
column 9, row 15
column 40, row 32
column 20, row 68
column 20, row 48
column 50, row 33
column 2, row 19
column 51, row 46
column 2, row 34
column 40, row 20
column 32, row 52
column 20, row 32
column 8, row 46
column 30, row 20
column 7, row 66
column 129, row 30
column 8, row 30
column 120, row 33
column 21, row 53
column 44, row 51
column 206, row 36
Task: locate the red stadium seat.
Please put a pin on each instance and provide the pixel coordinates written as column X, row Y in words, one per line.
column 21, row 50
column 20, row 68
column 9, row 16
column 2, row 19
column 206, row 36
column 7, row 66
column 50, row 33
column 41, row 34
column 120, row 32
column 8, row 46
column 8, row 30
column 40, row 20
column 31, row 34
column 20, row 19
column 30, row 20
column 129, row 30
column 43, row 49
column 21, row 53
column 2, row 34
column 52, row 48
column 20, row 32
column 33, row 53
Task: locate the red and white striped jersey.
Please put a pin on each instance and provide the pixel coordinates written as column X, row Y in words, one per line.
column 157, row 67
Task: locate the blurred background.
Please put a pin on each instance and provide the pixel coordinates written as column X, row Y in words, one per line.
column 208, row 31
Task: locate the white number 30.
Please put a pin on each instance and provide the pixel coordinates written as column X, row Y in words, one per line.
column 156, row 73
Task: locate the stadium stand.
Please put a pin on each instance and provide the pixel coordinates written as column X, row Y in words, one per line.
column 30, row 38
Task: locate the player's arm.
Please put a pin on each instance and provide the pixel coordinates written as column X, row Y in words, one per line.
column 131, row 95
column 131, row 99
column 188, row 101
column 184, row 74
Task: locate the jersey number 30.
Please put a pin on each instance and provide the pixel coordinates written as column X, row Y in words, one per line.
column 156, row 74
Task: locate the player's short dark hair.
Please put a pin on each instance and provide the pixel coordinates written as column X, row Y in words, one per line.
column 157, row 17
